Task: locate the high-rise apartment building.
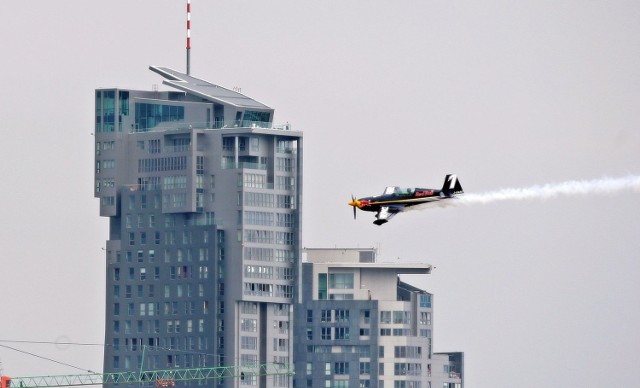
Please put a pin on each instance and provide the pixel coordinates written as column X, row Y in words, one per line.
column 359, row 325
column 203, row 196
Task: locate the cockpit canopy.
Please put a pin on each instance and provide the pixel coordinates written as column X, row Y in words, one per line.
column 397, row 190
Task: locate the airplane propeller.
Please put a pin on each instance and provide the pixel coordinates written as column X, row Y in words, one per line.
column 354, row 203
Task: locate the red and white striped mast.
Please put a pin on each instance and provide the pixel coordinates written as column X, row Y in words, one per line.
column 188, row 37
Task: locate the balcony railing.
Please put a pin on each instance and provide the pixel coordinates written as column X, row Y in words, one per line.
column 231, row 165
column 178, row 125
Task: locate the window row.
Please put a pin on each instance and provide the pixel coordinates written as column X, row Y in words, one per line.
column 396, row 332
column 285, row 183
column 150, row 255
column 256, row 181
column 150, row 220
column 267, row 272
column 407, row 351
column 404, row 317
column 251, row 308
column 266, row 289
column 341, row 368
column 156, row 326
column 106, row 164
column 399, row 317
column 150, row 115
column 331, row 333
column 280, row 345
column 178, row 290
column 177, row 360
column 104, row 146
column 333, row 315
column 269, row 219
column 229, row 143
column 285, row 164
column 280, row 201
column 168, row 308
column 175, row 273
column 104, row 183
column 363, row 351
column 169, row 163
column 268, row 237
column 170, row 237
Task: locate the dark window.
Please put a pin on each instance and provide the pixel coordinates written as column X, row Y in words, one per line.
column 150, row 115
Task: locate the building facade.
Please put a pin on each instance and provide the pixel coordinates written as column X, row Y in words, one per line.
column 203, row 197
column 358, row 325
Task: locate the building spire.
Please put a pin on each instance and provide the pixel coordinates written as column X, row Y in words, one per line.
column 188, row 37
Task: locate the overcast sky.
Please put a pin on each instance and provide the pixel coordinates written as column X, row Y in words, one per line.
column 505, row 94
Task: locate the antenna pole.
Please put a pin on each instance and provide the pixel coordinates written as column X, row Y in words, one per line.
column 188, row 37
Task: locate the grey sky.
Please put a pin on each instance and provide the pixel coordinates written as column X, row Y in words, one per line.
column 505, row 94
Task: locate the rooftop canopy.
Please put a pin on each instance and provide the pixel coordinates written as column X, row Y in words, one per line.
column 206, row 90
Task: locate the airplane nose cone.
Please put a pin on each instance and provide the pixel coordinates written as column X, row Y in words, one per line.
column 355, row 203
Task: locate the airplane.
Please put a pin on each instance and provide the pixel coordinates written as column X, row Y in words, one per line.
column 396, row 199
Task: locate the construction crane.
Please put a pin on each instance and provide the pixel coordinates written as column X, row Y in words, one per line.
column 161, row 378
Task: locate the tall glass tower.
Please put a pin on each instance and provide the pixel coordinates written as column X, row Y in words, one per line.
column 203, row 195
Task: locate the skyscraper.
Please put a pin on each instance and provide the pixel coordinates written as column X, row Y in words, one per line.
column 359, row 325
column 203, row 196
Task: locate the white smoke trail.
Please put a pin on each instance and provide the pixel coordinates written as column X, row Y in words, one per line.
column 569, row 188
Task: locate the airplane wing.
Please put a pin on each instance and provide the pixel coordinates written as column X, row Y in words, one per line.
column 386, row 213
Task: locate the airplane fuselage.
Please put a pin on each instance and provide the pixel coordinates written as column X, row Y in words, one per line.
column 417, row 197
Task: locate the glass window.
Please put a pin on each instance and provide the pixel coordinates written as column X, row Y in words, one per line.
column 322, row 286
column 342, row 333
column 108, row 110
column 150, row 115
column 98, row 111
column 365, row 368
column 123, row 99
column 255, row 117
column 340, row 296
column 341, row 368
column 341, row 280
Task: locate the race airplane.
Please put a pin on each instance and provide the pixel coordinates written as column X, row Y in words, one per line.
column 395, row 199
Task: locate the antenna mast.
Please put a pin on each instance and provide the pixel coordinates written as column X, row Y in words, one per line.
column 188, row 37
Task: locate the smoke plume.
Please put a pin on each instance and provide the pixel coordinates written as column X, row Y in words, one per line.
column 569, row 188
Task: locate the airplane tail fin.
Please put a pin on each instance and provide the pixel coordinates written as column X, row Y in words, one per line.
column 451, row 185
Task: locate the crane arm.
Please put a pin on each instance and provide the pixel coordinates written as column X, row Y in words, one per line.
column 162, row 378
